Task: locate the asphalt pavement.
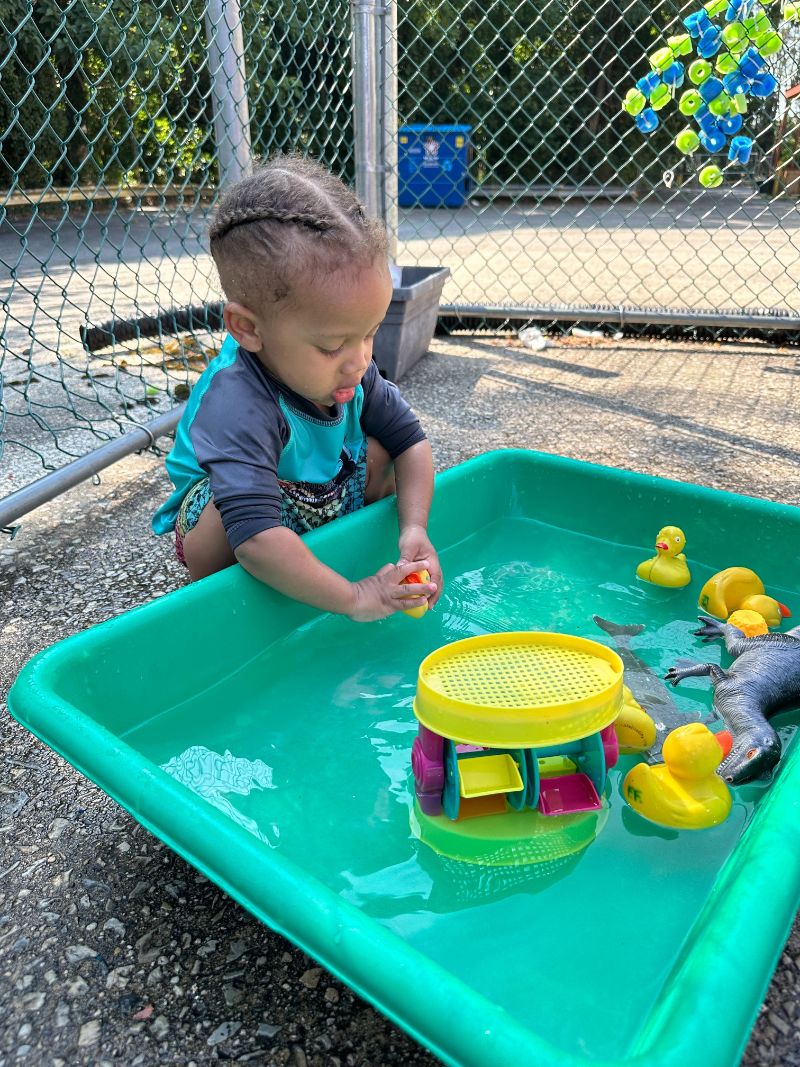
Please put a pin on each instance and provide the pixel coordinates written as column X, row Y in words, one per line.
column 112, row 949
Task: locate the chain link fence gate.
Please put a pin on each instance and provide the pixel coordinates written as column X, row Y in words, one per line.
column 117, row 125
column 567, row 213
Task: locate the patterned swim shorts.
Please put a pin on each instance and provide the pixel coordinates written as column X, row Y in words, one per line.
column 190, row 511
column 304, row 505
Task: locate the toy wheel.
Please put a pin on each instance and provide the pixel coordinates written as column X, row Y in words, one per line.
column 451, row 799
column 428, row 772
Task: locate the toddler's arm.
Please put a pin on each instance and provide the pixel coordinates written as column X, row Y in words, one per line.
column 279, row 558
column 414, row 478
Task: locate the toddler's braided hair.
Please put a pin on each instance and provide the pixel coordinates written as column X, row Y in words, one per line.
column 290, row 221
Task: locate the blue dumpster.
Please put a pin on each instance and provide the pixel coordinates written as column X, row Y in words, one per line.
column 433, row 165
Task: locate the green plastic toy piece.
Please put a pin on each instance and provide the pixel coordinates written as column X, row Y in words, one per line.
column 660, row 97
column 690, row 103
column 711, row 176
column 662, row 59
column 634, row 102
column 699, row 71
column 681, row 45
column 740, row 104
column 687, row 142
column 791, row 13
column 735, row 36
column 726, row 63
column 716, row 7
column 769, row 43
column 720, row 105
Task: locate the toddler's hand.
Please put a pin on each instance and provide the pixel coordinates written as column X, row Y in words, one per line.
column 415, row 547
column 382, row 594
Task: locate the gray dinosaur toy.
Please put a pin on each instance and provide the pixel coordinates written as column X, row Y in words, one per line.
column 763, row 679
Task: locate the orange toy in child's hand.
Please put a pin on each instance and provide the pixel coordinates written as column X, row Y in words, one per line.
column 416, row 578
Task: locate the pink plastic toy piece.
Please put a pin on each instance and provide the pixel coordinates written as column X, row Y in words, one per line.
column 610, row 745
column 428, row 772
column 564, row 794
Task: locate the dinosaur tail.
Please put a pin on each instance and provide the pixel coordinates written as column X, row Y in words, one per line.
column 615, row 629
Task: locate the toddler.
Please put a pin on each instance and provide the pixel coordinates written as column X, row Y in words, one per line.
column 292, row 425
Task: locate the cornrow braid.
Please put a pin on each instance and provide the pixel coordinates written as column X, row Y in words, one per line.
column 288, row 222
column 224, row 223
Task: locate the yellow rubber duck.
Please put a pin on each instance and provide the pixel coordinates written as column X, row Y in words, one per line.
column 416, row 578
column 683, row 791
column 668, row 567
column 739, row 587
column 635, row 730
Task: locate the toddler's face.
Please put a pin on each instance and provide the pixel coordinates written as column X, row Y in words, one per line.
column 320, row 342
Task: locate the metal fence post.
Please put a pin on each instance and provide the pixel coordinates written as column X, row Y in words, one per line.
column 387, row 96
column 228, row 89
column 365, row 118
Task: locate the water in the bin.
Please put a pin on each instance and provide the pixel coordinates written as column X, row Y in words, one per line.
column 308, row 747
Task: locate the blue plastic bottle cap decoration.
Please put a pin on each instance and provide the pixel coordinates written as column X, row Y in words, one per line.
column 673, row 75
column 647, row 121
column 764, row 84
column 713, row 140
column 740, row 149
column 731, row 125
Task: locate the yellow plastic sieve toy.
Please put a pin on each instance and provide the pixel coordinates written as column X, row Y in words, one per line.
column 519, row 690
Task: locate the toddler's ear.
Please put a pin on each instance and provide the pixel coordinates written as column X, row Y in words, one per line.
column 241, row 325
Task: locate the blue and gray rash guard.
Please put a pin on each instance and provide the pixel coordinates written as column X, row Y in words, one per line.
column 272, row 457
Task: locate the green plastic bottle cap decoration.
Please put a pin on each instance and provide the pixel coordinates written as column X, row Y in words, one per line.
column 687, row 142
column 769, row 43
column 660, row 97
column 726, row 63
column 699, row 71
column 791, row 13
column 721, row 105
column 716, row 7
column 690, row 103
column 740, row 104
column 711, row 176
column 634, row 102
column 681, row 45
column 735, row 34
column 662, row 59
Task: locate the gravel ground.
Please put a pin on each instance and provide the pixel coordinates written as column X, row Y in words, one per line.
column 112, row 949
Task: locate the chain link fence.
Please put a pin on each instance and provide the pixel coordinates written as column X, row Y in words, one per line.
column 568, row 203
column 110, row 161
column 116, row 131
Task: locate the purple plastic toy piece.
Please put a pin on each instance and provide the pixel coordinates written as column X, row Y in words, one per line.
column 430, row 803
column 428, row 767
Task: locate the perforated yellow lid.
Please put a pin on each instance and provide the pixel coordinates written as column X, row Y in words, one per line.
column 519, row 690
